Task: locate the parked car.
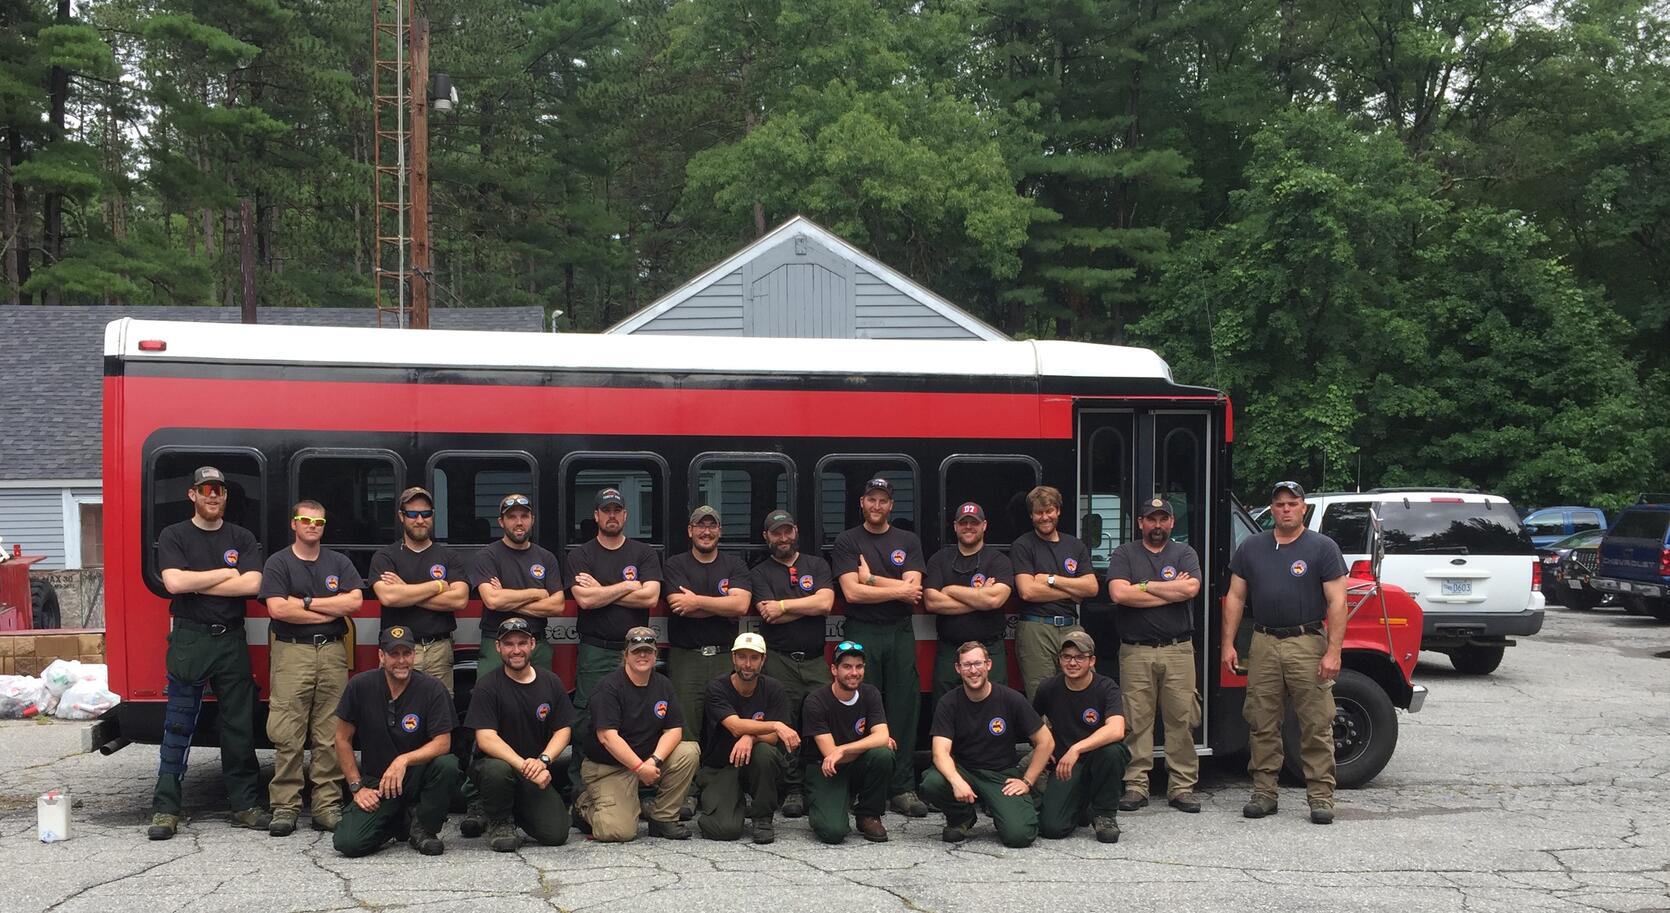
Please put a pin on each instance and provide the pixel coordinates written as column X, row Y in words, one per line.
column 1574, row 575
column 1461, row 554
column 1552, row 555
column 1548, row 525
column 1635, row 558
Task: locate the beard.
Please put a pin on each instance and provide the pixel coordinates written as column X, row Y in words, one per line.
column 517, row 536
column 419, row 533
column 784, row 550
column 1156, row 536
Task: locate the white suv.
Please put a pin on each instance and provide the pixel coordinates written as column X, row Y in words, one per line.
column 1463, row 556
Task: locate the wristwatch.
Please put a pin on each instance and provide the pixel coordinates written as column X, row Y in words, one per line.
column 354, row 786
column 1143, row 586
column 545, row 759
column 1050, row 580
column 657, row 759
column 307, row 602
column 870, row 580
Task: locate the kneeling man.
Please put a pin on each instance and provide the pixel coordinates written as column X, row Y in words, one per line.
column 1086, row 715
column 747, row 736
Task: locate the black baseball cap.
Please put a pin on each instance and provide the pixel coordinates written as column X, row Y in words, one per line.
column 207, row 474
column 778, row 518
column 513, row 626
column 849, row 648
column 970, row 509
column 610, row 496
column 1159, row 506
column 1297, row 489
column 879, row 484
column 513, row 501
column 396, row 636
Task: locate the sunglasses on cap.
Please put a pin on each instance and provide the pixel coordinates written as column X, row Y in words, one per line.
column 517, row 501
column 848, row 646
column 417, row 514
column 309, row 521
column 641, row 640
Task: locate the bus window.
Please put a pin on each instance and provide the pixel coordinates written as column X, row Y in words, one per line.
column 1182, row 473
column 998, row 483
column 357, row 489
column 169, row 479
column 641, row 479
column 1106, row 522
column 468, row 486
column 841, row 481
column 743, row 487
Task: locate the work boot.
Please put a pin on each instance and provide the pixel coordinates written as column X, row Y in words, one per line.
column 1259, row 806
column 765, row 830
column 871, row 829
column 795, row 805
column 474, row 823
column 256, row 819
column 283, row 823
column 957, row 833
column 423, row 841
column 688, row 809
column 1322, row 811
column 326, row 820
column 502, row 836
column 163, row 827
column 909, row 805
column 1107, row 829
column 1131, row 800
column 581, row 823
column 1185, row 802
column 669, row 830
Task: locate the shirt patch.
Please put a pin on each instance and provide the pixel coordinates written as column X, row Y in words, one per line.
column 725, row 586
column 543, row 711
column 806, row 582
column 1168, row 573
column 630, row 572
column 1090, row 716
column 332, row 582
column 997, row 726
column 978, row 580
column 759, row 716
column 410, row 722
column 859, row 724
column 1298, row 568
column 230, row 556
column 437, row 571
column 537, row 572
column 1071, row 565
column 897, row 557
column 661, row 710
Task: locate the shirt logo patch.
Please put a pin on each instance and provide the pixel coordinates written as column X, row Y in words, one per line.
column 725, row 586
column 537, row 572
column 332, row 582
column 897, row 557
column 1090, row 716
column 543, row 711
column 661, row 710
column 978, row 580
column 859, row 724
column 997, row 726
column 1298, row 568
column 1168, row 573
column 630, row 572
column 1071, row 565
column 230, row 556
column 437, row 571
column 806, row 582
column 759, row 716
column 409, row 722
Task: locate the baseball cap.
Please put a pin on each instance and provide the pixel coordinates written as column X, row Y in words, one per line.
column 1297, row 489
column 1158, row 506
column 610, row 496
column 702, row 513
column 879, row 483
column 970, row 509
column 778, row 518
column 514, row 500
column 207, row 474
column 513, row 626
column 849, row 648
column 1084, row 642
column 396, row 636
column 749, row 641
column 640, row 637
column 416, row 491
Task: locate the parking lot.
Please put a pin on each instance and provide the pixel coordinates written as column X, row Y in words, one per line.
column 1545, row 786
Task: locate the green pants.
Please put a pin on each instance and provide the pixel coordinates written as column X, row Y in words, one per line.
column 721, row 808
column 506, row 795
column 690, row 672
column 890, row 665
column 591, row 665
column 426, row 792
column 196, row 658
column 1016, row 817
column 860, row 784
column 1095, row 784
column 799, row 677
column 945, row 668
column 1036, row 647
column 488, row 658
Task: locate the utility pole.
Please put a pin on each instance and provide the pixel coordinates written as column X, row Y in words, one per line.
column 419, row 203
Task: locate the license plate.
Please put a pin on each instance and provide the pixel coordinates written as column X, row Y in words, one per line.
column 1457, row 588
column 1575, row 584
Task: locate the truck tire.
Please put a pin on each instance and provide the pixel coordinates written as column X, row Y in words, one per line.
column 43, row 600
column 1582, row 600
column 1365, row 732
column 1474, row 659
column 1659, row 608
column 1634, row 605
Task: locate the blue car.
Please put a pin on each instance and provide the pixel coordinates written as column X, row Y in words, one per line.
column 1635, row 558
column 1548, row 525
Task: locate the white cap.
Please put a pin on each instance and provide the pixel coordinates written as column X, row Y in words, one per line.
column 749, row 641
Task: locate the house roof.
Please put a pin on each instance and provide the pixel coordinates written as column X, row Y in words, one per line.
column 800, row 225
column 51, row 370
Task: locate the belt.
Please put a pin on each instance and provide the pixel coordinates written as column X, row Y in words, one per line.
column 1314, row 627
column 211, row 630
column 1060, row 621
column 801, row 656
column 317, row 640
column 426, row 641
column 602, row 644
column 709, row 650
column 1159, row 643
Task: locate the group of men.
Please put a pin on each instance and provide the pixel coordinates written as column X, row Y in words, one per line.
column 741, row 727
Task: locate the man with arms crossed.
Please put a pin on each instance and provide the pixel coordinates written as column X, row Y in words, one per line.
column 966, row 586
column 1053, row 576
column 420, row 584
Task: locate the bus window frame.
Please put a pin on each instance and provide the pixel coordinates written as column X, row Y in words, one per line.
column 791, row 482
column 944, row 528
column 294, row 467
column 148, row 529
column 847, row 456
column 646, row 455
column 533, row 485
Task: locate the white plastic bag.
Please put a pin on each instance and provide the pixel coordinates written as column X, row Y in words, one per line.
column 85, row 700
column 22, row 695
column 60, row 674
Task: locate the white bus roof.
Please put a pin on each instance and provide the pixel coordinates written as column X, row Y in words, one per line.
column 293, row 345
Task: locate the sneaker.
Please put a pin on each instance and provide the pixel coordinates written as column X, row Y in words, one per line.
column 909, row 805
column 1185, row 802
column 163, row 827
column 474, row 823
column 871, row 829
column 1322, row 811
column 423, row 841
column 502, row 837
column 326, row 820
column 283, row 823
column 795, row 805
column 1107, row 829
column 1132, row 800
column 957, row 833
column 765, row 830
column 688, row 809
column 1259, row 806
column 256, row 819
column 669, row 830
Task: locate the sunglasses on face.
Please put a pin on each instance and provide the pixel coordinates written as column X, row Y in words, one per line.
column 309, row 521
column 211, row 489
column 417, row 514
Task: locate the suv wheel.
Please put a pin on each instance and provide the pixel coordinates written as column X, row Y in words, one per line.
column 1365, row 731
column 1635, row 605
column 43, row 600
column 1474, row 659
column 1659, row 608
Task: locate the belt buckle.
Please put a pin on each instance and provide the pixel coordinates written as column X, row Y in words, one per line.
column 319, row 640
column 217, row 630
column 1061, row 621
column 710, row 650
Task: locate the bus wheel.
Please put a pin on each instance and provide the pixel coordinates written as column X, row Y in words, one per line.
column 1365, row 732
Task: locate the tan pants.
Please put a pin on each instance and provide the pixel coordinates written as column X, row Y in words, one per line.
column 1163, row 676
column 436, row 659
column 307, row 683
column 1036, row 647
column 610, row 802
column 1280, row 670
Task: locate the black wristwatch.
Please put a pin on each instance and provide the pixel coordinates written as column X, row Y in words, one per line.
column 658, row 761
column 354, row 786
column 307, row 602
column 545, row 759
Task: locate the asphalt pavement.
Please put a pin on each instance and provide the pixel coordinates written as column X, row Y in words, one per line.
column 1543, row 787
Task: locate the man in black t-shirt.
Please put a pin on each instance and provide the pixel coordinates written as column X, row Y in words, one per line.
column 966, row 586
column 880, row 568
column 975, row 759
column 1086, row 717
column 402, row 718
column 793, row 594
column 420, row 584
column 638, row 741
column 1053, row 577
column 707, row 591
column 848, row 751
column 1153, row 582
column 516, row 578
column 209, row 567
column 522, row 720
column 311, row 593
column 743, row 748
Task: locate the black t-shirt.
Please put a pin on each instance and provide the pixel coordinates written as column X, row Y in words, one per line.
column 718, row 577
column 640, row 715
column 1134, row 563
column 386, row 728
column 1073, row 715
column 768, row 702
column 983, row 733
column 771, row 579
column 525, row 716
column 183, row 546
column 889, row 554
column 950, row 567
column 328, row 575
column 823, row 713
column 1284, row 584
column 531, row 568
column 632, row 561
column 1066, row 558
column 437, row 562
